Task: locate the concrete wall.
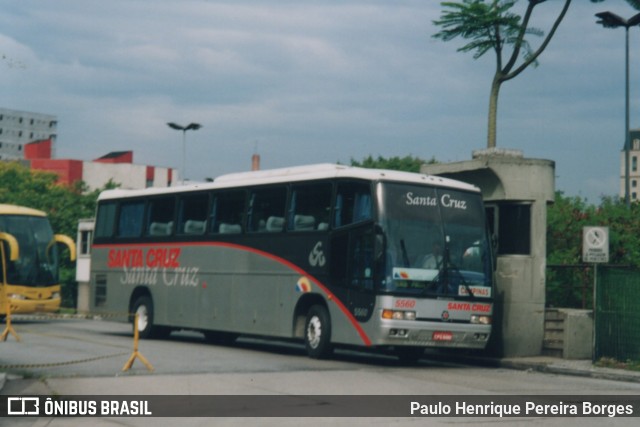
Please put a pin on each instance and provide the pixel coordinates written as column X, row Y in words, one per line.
column 128, row 175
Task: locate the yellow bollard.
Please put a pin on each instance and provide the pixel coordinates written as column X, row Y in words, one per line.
column 8, row 328
column 136, row 354
column 14, row 252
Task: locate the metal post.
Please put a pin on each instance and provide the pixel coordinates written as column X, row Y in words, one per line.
column 595, row 307
column 611, row 20
column 184, row 129
column 13, row 255
column 136, row 354
column 184, row 155
column 627, row 142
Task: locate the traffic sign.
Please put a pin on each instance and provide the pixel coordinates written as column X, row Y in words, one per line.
column 595, row 244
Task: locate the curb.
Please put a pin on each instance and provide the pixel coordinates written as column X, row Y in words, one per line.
column 543, row 365
column 594, row 372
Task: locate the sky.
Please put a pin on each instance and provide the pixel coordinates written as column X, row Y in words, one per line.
column 302, row 82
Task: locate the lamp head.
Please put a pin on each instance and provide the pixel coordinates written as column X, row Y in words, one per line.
column 175, row 126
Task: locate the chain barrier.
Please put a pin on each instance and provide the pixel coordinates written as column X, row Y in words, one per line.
column 57, row 364
column 13, row 254
column 9, row 330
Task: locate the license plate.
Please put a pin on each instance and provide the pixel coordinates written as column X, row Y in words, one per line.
column 442, row 336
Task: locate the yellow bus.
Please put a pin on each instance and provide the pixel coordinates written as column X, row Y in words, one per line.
column 30, row 283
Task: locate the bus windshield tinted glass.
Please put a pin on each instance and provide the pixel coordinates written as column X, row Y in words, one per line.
column 38, row 261
column 435, row 242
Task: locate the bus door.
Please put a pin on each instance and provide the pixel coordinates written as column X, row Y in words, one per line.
column 354, row 269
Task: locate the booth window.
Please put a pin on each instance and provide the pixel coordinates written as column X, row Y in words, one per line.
column 510, row 226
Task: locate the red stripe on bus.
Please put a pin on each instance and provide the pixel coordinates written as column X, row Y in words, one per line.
column 330, row 295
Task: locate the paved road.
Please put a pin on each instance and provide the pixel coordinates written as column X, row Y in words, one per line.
column 63, row 348
column 185, row 365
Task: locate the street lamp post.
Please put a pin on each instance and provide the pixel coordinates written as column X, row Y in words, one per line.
column 184, row 129
column 611, row 20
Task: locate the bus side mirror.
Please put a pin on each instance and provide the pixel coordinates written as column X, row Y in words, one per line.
column 60, row 238
column 14, row 247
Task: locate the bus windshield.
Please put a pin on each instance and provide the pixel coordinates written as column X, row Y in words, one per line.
column 436, row 242
column 38, row 261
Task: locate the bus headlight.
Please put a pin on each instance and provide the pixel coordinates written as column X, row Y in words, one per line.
column 481, row 319
column 55, row 295
column 398, row 315
column 16, row 296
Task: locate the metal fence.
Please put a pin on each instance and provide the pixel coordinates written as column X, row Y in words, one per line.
column 617, row 314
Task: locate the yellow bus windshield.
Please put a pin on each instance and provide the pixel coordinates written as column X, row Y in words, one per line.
column 38, row 261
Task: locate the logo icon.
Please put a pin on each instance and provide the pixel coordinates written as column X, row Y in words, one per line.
column 303, row 285
column 316, row 257
column 23, row 406
column 445, row 316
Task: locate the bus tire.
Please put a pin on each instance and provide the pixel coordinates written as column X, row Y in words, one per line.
column 317, row 333
column 409, row 355
column 143, row 307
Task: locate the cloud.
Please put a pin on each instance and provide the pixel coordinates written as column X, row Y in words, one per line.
column 308, row 81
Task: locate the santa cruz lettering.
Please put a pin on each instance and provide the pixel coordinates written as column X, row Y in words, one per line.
column 445, row 200
column 153, row 266
column 155, row 257
column 465, row 306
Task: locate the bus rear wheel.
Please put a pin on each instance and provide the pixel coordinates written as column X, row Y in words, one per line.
column 317, row 333
column 143, row 308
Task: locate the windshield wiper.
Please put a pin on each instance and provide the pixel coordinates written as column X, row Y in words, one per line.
column 443, row 275
column 405, row 255
column 462, row 280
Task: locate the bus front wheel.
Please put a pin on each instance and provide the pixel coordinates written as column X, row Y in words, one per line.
column 409, row 355
column 317, row 333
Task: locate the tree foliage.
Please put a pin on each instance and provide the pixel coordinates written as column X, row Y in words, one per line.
column 36, row 189
column 407, row 164
column 569, row 280
column 568, row 215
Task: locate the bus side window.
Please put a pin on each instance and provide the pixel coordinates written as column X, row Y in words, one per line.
column 131, row 219
column 227, row 211
column 353, row 203
column 310, row 207
column 106, row 219
column 192, row 214
column 267, row 209
column 160, row 217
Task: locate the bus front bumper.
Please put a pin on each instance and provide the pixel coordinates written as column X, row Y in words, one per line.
column 24, row 306
column 434, row 334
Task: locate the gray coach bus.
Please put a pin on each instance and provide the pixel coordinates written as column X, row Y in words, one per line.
column 328, row 254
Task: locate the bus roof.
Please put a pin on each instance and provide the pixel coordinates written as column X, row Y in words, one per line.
column 19, row 210
column 295, row 174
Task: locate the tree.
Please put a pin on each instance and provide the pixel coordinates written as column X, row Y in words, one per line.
column 569, row 282
column 568, row 215
column 407, row 164
column 490, row 25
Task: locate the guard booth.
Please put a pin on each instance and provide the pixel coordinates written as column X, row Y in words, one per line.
column 83, row 263
column 516, row 191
